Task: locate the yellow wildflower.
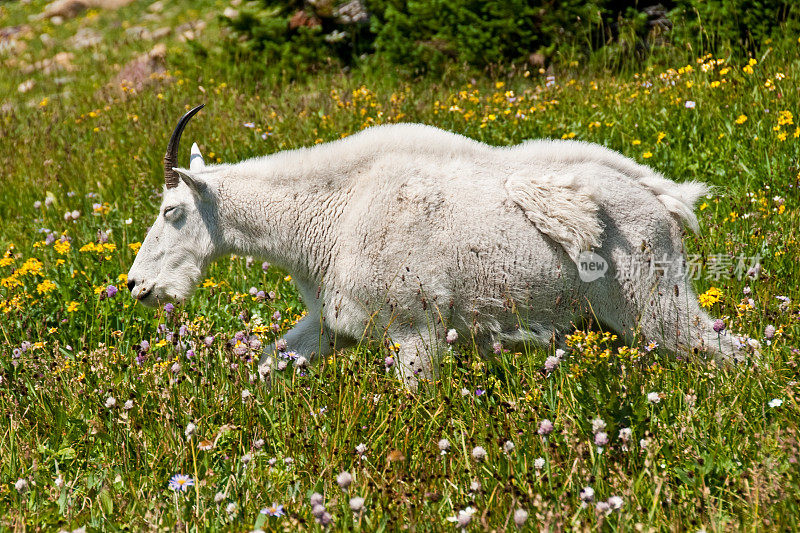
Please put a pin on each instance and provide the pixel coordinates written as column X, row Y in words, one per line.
column 785, row 118
column 710, row 297
column 72, row 307
column 11, row 281
column 742, row 119
column 134, row 246
column 62, row 247
column 31, row 266
column 45, row 287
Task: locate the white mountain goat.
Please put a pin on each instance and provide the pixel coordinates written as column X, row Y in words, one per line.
column 409, row 231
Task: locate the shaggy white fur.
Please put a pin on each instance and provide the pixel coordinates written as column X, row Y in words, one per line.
column 407, row 231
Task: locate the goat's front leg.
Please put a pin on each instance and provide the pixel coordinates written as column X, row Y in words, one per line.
column 309, row 338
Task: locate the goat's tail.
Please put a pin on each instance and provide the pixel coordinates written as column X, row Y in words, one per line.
column 678, row 198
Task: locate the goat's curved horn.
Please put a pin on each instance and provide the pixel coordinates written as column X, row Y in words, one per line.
column 171, row 178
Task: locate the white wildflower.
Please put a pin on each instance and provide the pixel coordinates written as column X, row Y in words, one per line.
column 356, row 504
column 598, row 424
column 520, row 517
column 478, row 453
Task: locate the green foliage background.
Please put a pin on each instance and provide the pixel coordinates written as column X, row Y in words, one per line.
column 426, row 35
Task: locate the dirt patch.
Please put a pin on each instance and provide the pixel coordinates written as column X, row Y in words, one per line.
column 147, row 69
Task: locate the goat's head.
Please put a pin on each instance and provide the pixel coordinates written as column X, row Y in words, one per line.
column 183, row 240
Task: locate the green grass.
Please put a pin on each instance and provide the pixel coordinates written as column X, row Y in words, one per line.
column 717, row 456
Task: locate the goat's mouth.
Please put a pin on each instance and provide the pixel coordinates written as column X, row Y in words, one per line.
column 146, row 299
column 143, row 295
column 156, row 296
column 148, row 296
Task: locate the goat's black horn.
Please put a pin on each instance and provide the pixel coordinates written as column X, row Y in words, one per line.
column 171, row 178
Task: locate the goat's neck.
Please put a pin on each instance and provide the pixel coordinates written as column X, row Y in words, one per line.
column 285, row 219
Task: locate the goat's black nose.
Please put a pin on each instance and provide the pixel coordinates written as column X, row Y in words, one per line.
column 131, row 284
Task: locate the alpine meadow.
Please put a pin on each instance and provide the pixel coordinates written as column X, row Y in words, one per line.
column 123, row 416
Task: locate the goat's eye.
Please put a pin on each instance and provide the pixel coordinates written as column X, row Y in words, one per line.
column 171, row 212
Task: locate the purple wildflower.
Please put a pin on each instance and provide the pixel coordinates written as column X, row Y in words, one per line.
column 180, row 482
column 719, row 325
column 111, row 291
column 273, row 510
column 551, row 363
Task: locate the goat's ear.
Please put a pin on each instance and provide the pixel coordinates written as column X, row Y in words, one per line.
column 196, row 159
column 196, row 184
